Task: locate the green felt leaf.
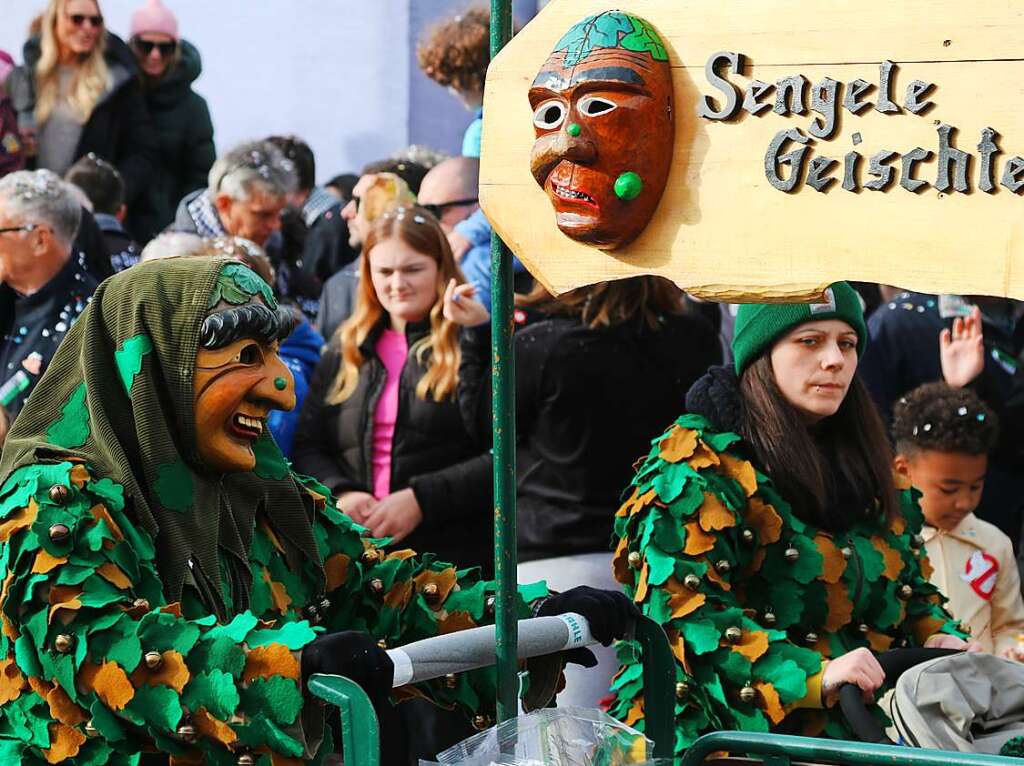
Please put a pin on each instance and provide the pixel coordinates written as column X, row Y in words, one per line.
column 701, row 635
column 533, row 591
column 249, row 282
column 96, row 752
column 733, row 666
column 111, row 493
column 129, row 359
column 270, row 463
column 263, row 731
column 26, row 657
column 63, row 669
column 276, row 697
column 126, row 652
column 643, row 39
column 472, row 599
column 787, row 600
column 602, row 30
column 751, row 719
column 871, row 561
column 160, row 632
column 658, row 606
column 71, row 429
column 294, row 635
column 174, row 487
column 809, row 565
column 720, row 442
column 688, row 502
column 889, row 607
column 99, row 592
column 632, row 673
column 815, row 603
column 667, row 533
column 106, row 722
column 159, row 706
column 670, row 482
column 236, row 630
column 74, row 575
column 222, row 653
column 660, row 564
column 787, row 678
column 215, row 690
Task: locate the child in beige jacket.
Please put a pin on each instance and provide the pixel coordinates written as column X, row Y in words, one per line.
column 943, row 436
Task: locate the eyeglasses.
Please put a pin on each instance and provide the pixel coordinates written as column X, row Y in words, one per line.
column 438, row 210
column 79, row 19
column 26, row 227
column 145, row 47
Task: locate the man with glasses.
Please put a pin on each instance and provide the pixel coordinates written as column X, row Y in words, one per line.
column 45, row 285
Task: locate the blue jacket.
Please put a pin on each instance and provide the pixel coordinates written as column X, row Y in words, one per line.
column 476, row 264
column 301, row 352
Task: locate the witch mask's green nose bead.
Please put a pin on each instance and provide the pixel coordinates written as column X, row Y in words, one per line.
column 628, row 186
column 574, row 130
column 280, row 384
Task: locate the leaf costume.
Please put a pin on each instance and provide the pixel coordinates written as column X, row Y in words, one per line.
column 148, row 605
column 753, row 599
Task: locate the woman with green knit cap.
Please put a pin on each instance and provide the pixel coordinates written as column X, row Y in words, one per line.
column 765, row 533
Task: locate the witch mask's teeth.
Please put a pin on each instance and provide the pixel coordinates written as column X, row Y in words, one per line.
column 253, row 424
column 567, row 193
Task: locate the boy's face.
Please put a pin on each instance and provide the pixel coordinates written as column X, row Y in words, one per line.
column 951, row 482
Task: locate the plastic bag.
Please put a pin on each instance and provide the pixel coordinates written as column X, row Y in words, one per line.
column 553, row 737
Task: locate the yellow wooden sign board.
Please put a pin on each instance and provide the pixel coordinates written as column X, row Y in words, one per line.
column 722, row 230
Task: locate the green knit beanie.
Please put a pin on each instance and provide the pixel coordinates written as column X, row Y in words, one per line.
column 758, row 325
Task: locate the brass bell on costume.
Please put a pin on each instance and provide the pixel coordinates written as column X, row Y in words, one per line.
column 769, row 618
column 246, row 759
column 481, row 722
column 90, row 729
column 811, row 638
column 916, row 541
column 64, row 643
column 847, row 551
column 748, row 693
column 748, row 536
column 59, row 533
column 431, row 592
column 691, row 581
column 864, row 628
column 370, row 556
column 153, row 660
column 325, row 604
column 723, row 566
column 490, row 603
column 733, row 634
column 906, row 592
column 377, row 585
column 382, row 644
column 451, row 680
column 140, row 603
column 682, row 689
column 792, row 554
column 634, row 559
column 187, row 732
column 311, row 613
column 59, row 494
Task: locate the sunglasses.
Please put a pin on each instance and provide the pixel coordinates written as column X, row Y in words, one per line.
column 79, row 19
column 438, row 210
column 145, row 47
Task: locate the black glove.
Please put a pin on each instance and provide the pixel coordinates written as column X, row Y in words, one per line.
column 611, row 613
column 352, row 654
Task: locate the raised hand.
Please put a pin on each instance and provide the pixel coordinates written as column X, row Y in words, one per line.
column 461, row 307
column 962, row 350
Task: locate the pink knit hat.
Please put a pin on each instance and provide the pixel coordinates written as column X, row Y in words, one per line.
column 154, row 18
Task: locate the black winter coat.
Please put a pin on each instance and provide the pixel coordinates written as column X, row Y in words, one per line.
column 184, row 133
column 447, row 467
column 588, row 403
column 119, row 129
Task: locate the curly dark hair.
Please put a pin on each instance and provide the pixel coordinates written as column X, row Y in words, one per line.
column 456, row 52
column 938, row 417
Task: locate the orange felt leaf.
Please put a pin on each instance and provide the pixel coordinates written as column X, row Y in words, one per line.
column 703, row 457
column 8, row 627
column 927, row 570
column 100, row 513
column 620, row 562
column 23, row 518
column 79, row 475
column 898, row 526
column 679, row 649
column 336, row 569
column 893, row 560
column 173, row 672
column 265, row 528
column 399, row 595
column 840, row 607
column 740, row 470
column 684, row 601
column 63, row 709
column 635, row 713
column 752, row 645
column 112, row 573
column 757, row 561
column 763, row 518
column 636, row 502
column 714, row 515
column 279, row 595
column 697, row 540
column 64, row 743
column 11, row 681
column 717, row 579
column 627, row 504
column 833, row 564
column 678, row 445
column 193, row 758
column 111, row 685
column 64, row 597
column 276, row 759
column 402, row 555
column 641, row 586
column 771, row 703
column 39, row 686
column 455, row 621
column 444, row 580
column 213, row 728
column 45, row 562
column 879, row 641
column 270, row 660
column 173, row 608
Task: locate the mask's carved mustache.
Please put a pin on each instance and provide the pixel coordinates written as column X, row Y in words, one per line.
column 551, row 149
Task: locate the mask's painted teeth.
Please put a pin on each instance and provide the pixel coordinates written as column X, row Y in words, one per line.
column 566, row 193
column 251, row 424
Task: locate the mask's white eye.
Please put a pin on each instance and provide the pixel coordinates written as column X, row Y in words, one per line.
column 249, row 354
column 592, row 106
column 549, row 115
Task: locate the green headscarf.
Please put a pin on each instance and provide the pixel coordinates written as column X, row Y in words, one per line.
column 118, row 395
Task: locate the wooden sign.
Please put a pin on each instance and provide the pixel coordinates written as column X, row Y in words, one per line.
column 876, row 141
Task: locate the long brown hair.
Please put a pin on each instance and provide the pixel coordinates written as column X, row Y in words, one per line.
column 89, row 80
column 608, row 303
column 420, row 230
column 834, row 473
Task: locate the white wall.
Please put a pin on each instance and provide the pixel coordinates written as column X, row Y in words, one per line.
column 332, row 71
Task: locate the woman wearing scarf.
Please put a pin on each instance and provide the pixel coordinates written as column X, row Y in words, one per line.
column 168, row 582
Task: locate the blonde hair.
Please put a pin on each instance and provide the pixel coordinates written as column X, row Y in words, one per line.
column 440, row 348
column 90, row 77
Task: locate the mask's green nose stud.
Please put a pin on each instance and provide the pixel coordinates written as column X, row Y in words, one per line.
column 628, row 186
column 280, row 384
column 574, row 130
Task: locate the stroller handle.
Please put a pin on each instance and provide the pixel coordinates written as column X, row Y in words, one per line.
column 894, row 663
column 474, row 648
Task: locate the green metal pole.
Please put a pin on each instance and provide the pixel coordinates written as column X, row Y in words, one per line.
column 504, row 425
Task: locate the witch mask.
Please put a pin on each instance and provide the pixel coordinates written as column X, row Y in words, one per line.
column 602, row 113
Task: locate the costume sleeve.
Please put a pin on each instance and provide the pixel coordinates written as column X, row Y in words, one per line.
column 691, row 530
column 1007, row 604
column 401, row 596
column 312, row 451
column 97, row 665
